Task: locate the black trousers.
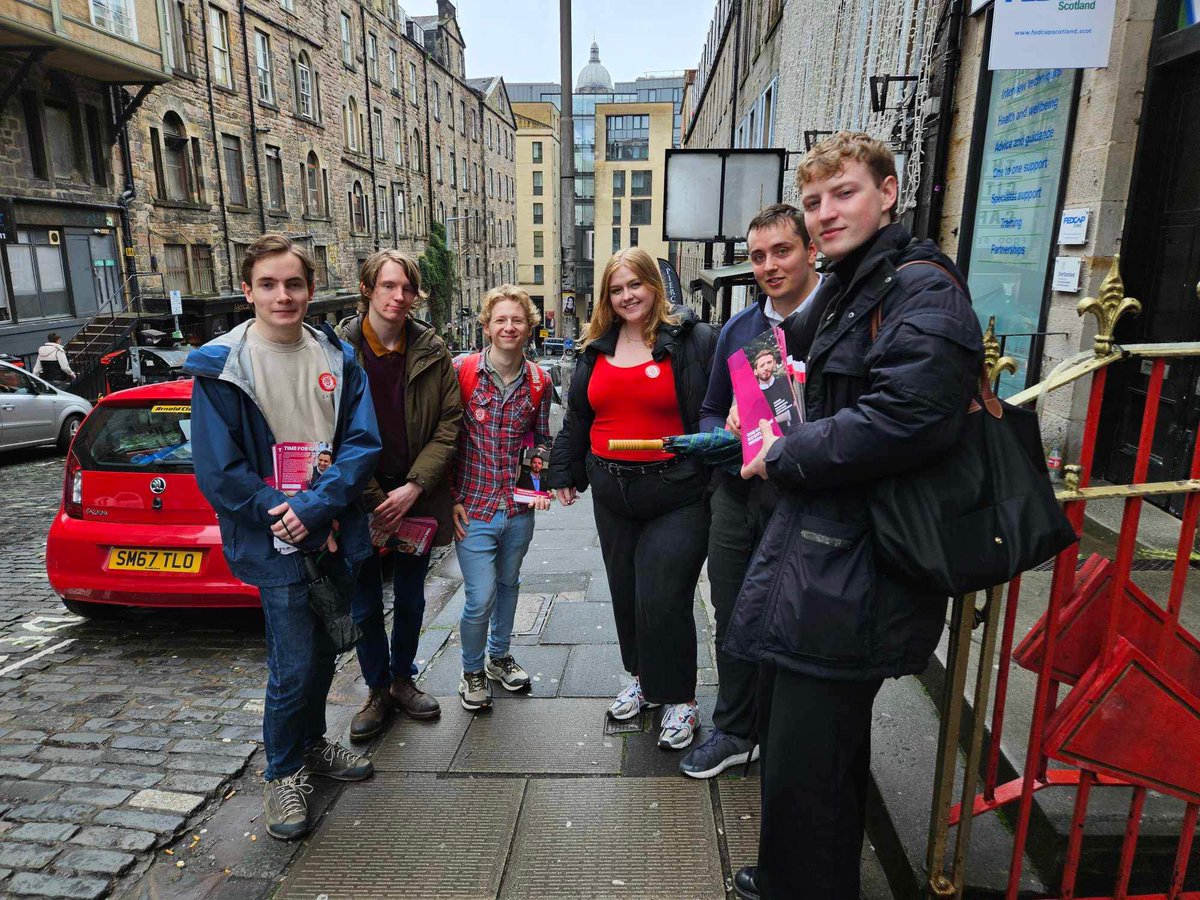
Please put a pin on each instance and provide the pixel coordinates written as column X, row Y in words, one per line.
column 653, row 535
column 816, row 755
column 737, row 527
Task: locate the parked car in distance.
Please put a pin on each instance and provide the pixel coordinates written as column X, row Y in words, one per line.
column 553, row 346
column 13, row 360
column 34, row 412
column 133, row 528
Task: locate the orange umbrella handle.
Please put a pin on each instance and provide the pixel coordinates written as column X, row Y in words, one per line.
column 627, row 445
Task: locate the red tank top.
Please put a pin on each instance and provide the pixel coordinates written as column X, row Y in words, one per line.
column 634, row 402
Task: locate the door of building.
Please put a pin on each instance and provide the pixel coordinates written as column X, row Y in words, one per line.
column 1161, row 267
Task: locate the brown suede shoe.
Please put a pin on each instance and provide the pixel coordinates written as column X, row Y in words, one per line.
column 413, row 700
column 369, row 720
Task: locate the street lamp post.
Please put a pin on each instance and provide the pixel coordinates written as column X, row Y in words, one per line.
column 451, row 238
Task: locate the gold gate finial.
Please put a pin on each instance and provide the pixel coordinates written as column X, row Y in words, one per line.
column 1108, row 308
column 993, row 363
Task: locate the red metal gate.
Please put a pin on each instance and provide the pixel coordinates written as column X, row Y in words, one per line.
column 1118, row 678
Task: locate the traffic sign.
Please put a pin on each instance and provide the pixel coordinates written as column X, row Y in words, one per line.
column 545, row 332
column 176, row 303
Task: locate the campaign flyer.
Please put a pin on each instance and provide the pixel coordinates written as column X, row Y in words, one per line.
column 531, row 474
column 762, row 390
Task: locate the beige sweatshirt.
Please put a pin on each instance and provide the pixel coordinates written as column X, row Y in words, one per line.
column 294, row 387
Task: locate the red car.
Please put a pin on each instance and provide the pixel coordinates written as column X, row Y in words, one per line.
column 133, row 528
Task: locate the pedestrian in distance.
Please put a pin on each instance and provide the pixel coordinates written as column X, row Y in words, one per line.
column 893, row 354
column 781, row 257
column 506, row 401
column 51, row 363
column 416, row 401
column 274, row 380
column 642, row 374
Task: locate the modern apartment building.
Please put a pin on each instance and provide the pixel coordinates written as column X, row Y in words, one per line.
column 538, row 250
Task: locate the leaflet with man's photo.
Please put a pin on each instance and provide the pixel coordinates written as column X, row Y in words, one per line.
column 531, row 473
column 298, row 466
column 762, row 390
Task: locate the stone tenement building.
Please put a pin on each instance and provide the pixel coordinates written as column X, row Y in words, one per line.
column 349, row 126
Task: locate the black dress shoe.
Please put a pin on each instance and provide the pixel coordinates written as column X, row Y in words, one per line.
column 743, row 883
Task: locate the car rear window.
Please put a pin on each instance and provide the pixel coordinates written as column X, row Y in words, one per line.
column 154, row 437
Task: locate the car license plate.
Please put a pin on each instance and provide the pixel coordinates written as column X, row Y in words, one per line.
column 136, row 559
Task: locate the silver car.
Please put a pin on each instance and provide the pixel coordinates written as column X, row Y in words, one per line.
column 34, row 412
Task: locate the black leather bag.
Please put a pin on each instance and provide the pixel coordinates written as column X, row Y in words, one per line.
column 978, row 517
column 330, row 588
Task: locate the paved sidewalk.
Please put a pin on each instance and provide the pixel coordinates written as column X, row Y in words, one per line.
column 541, row 797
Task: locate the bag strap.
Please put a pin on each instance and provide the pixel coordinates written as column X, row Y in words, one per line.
column 467, row 370
column 990, row 401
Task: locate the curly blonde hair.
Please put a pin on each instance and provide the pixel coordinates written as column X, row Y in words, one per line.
column 508, row 292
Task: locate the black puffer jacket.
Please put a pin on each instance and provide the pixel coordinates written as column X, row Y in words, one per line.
column 690, row 346
column 814, row 599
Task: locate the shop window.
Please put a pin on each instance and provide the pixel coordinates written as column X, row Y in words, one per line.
column 39, row 281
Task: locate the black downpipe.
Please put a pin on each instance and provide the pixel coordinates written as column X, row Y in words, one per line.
column 262, row 209
column 374, row 204
column 212, row 119
column 937, row 199
column 126, row 197
column 429, row 141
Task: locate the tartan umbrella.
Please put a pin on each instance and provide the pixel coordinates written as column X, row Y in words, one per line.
column 719, row 447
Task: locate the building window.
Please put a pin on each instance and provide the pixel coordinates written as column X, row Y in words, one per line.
column 175, row 268
column 618, row 184
column 639, row 212
column 537, row 151
column 393, row 69
column 218, row 37
column 235, row 168
column 401, row 217
column 239, row 256
column 96, row 145
column 539, row 274
column 288, row 5
column 177, row 176
column 437, row 101
column 539, row 244
column 377, row 132
column 347, row 41
column 412, row 82
column 626, row 137
column 304, row 85
column 60, row 127
column 275, row 197
column 537, row 184
column 633, row 237
column 179, row 49
column 398, row 141
column 373, row 57
column 453, row 171
column 616, row 244
column 462, row 116
column 116, row 16
column 321, row 258
column 416, row 151
column 437, row 161
column 538, row 214
column 616, row 217
column 262, row 62
column 314, row 186
column 352, row 125
column 202, row 266
column 641, row 183
column 466, row 175
column 381, row 210
column 358, row 209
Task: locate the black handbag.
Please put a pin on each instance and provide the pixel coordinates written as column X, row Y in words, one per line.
column 330, row 588
column 977, row 517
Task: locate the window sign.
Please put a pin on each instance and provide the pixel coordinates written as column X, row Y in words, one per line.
column 1073, row 34
column 1016, row 218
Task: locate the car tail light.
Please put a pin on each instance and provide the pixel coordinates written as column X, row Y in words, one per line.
column 73, row 488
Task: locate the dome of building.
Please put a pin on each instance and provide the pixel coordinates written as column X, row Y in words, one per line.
column 594, row 78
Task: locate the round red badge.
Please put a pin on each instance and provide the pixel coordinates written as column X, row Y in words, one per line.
column 653, row 371
column 480, row 415
column 327, row 382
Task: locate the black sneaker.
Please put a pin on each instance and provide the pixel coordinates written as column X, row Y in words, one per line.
column 475, row 692
column 744, row 883
column 335, row 761
column 508, row 672
column 285, row 802
column 717, row 754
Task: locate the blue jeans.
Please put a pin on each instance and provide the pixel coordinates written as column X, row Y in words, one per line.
column 379, row 663
column 300, row 661
column 490, row 558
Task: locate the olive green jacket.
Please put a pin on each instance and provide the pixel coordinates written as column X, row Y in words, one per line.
column 433, row 418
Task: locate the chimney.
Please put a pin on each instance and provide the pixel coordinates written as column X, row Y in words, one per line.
column 446, row 10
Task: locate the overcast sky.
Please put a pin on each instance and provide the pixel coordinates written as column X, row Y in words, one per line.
column 519, row 38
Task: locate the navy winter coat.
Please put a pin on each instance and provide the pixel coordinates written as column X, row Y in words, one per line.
column 814, row 599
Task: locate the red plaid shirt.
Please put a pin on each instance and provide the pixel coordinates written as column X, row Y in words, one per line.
column 489, row 445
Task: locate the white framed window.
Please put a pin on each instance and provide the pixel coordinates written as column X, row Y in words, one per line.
column 437, row 102
column 412, row 82
column 288, row 5
column 358, row 209
column 377, row 132
column 373, row 57
column 381, row 210
column 116, row 16
column 304, row 85
column 262, row 63
column 352, row 125
column 347, row 33
column 398, row 141
column 438, row 163
column 401, row 211
column 393, row 69
column 218, row 37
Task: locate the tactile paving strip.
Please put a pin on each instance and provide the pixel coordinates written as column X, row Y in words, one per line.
column 411, row 836
column 411, row 746
column 740, row 812
column 540, row 737
column 615, row 837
